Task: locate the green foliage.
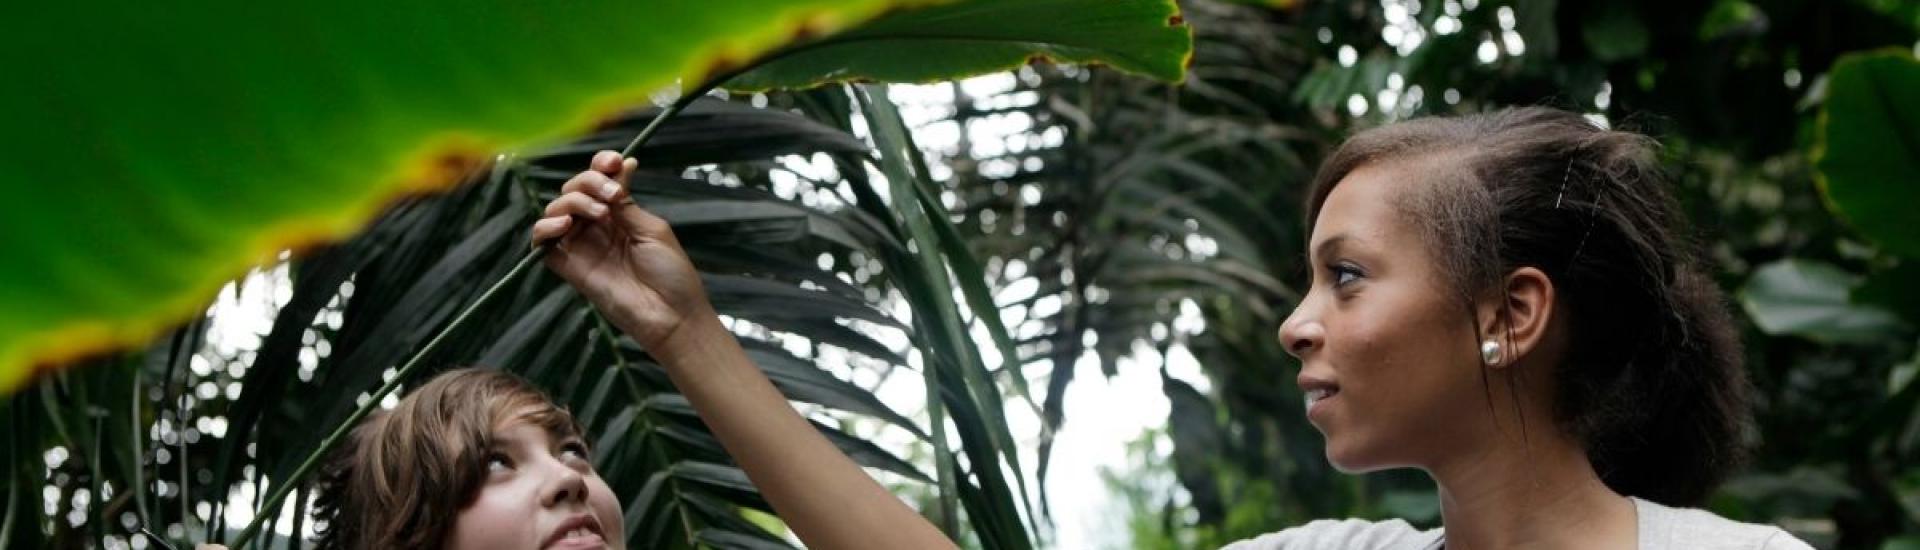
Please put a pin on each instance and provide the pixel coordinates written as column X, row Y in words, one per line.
column 350, row 124
column 979, row 36
column 1732, row 88
column 358, row 308
column 1811, row 299
column 1131, row 203
column 1868, row 147
column 964, row 373
column 1616, row 33
column 213, row 136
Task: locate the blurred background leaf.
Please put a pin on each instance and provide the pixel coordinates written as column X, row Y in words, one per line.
column 1868, row 147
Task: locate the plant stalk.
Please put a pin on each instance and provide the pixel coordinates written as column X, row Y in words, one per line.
column 333, row 439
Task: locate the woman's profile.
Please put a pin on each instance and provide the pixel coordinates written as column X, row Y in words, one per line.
column 1509, row 302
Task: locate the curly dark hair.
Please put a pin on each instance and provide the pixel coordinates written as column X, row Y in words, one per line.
column 1653, row 382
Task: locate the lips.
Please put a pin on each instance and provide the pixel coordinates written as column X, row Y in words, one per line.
column 581, row 532
column 1318, row 391
column 1316, row 399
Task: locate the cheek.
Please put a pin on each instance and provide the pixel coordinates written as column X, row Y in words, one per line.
column 606, row 508
column 497, row 519
column 1399, row 379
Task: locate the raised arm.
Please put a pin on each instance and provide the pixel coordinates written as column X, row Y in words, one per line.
column 627, row 262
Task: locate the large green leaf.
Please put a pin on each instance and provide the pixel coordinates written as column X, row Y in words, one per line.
column 181, row 144
column 1868, row 147
column 1139, row 36
column 1810, row 299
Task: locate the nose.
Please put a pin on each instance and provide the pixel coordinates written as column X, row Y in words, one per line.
column 1302, row 331
column 565, row 485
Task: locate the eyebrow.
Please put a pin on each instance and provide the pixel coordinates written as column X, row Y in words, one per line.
column 506, row 439
column 498, row 439
column 1328, row 246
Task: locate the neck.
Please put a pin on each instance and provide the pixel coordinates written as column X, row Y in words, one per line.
column 1537, row 493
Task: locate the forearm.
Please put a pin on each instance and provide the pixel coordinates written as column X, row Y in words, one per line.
column 821, row 493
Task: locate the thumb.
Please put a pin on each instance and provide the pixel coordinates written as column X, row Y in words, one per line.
column 627, row 167
column 628, row 211
column 607, row 162
column 619, row 168
column 635, row 219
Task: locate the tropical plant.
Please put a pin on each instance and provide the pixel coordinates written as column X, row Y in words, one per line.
column 361, row 121
column 1126, row 217
column 444, row 280
column 1774, row 124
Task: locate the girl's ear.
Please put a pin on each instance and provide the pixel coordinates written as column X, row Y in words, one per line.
column 1517, row 317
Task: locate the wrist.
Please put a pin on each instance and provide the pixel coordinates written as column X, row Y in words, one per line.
column 696, row 334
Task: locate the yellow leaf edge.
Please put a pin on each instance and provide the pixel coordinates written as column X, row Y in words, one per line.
column 438, row 165
column 1175, row 20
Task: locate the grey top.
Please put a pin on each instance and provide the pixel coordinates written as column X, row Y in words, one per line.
column 1661, row 528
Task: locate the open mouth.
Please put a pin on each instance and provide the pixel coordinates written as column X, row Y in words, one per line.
column 578, row 533
column 1317, row 395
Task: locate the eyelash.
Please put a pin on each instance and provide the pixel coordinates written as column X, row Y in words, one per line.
column 1341, row 269
column 578, row 448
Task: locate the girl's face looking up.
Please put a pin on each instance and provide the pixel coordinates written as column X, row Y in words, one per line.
column 540, row 493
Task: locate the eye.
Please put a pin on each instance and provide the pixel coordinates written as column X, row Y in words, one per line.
column 576, row 448
column 1345, row 274
column 498, row 462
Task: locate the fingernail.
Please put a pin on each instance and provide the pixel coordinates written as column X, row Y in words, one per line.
column 609, row 190
column 598, row 209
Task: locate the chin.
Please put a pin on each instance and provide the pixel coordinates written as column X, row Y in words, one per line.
column 1348, row 459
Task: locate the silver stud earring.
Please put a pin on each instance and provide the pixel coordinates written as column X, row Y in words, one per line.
column 1490, row 352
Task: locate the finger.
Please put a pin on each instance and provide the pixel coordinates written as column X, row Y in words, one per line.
column 577, row 204
column 594, row 184
column 643, row 223
column 548, row 229
column 606, row 162
column 558, row 261
column 626, row 170
column 625, row 179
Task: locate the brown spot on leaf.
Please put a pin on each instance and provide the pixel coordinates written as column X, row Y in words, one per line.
column 451, row 162
column 812, row 26
column 721, row 64
column 1176, row 20
column 457, row 163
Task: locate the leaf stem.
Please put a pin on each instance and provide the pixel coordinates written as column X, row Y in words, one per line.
column 333, row 439
column 13, row 469
column 139, row 450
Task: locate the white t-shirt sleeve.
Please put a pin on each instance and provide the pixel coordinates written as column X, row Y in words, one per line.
column 1667, row 528
column 1661, row 528
column 1347, row 534
column 1780, row 540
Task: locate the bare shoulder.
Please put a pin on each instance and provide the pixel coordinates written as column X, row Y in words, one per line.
column 1354, row 534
